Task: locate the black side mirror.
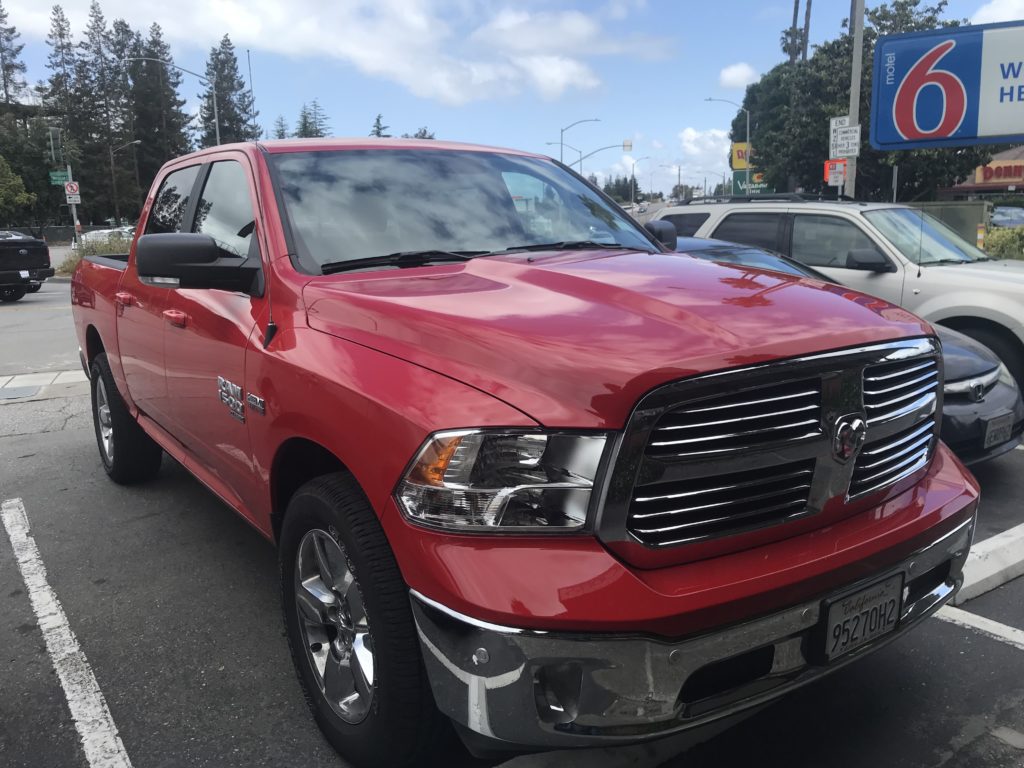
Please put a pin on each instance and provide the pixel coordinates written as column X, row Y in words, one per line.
column 869, row 260
column 196, row 261
column 664, row 232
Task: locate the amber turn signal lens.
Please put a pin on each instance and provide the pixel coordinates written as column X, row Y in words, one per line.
column 433, row 462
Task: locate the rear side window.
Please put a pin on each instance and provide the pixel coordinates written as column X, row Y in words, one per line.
column 687, row 224
column 759, row 229
column 225, row 209
column 824, row 241
column 168, row 211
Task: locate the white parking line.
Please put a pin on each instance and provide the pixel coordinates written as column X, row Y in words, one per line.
column 1001, row 632
column 100, row 742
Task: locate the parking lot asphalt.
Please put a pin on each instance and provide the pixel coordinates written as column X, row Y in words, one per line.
column 38, row 333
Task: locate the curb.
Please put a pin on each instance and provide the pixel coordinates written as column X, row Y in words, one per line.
column 992, row 563
column 59, row 279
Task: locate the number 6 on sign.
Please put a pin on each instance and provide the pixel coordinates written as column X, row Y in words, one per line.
column 920, row 76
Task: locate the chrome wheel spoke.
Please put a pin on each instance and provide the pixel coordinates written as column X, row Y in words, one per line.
column 315, row 601
column 330, row 562
column 356, row 609
column 361, row 662
column 339, row 683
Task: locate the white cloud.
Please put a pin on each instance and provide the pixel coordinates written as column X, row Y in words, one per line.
column 704, row 152
column 999, row 10
column 620, row 9
column 449, row 51
column 738, row 75
column 657, row 144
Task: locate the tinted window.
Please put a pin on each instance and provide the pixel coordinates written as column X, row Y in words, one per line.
column 225, row 209
column 824, row 241
column 760, row 229
column 171, row 201
column 687, row 224
column 351, row 204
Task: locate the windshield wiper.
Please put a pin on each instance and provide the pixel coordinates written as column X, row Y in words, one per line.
column 399, row 259
column 570, row 245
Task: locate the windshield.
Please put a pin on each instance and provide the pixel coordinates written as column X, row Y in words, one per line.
column 358, row 204
column 922, row 238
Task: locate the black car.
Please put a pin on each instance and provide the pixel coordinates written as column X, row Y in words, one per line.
column 24, row 265
column 982, row 414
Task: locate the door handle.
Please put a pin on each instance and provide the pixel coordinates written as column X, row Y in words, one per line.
column 124, row 298
column 176, row 317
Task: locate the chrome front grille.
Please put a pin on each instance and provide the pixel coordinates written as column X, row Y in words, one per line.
column 725, row 453
column 885, row 461
column 736, row 421
column 892, row 390
column 699, row 507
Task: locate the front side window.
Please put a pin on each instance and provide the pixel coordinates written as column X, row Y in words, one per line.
column 171, row 202
column 825, row 241
column 687, row 224
column 344, row 205
column 922, row 238
column 224, row 211
column 757, row 229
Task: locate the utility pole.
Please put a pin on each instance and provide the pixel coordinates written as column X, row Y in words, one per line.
column 807, row 29
column 857, row 30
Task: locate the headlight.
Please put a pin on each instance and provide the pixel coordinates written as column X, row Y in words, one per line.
column 1005, row 377
column 489, row 481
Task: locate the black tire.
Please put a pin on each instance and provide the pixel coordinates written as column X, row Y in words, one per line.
column 133, row 456
column 10, row 293
column 1004, row 348
column 34, row 288
column 401, row 726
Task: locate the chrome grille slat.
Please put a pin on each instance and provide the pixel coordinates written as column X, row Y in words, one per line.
column 727, row 436
column 746, row 403
column 916, row 393
column 727, row 502
column 893, row 390
column 920, row 464
column 673, row 427
column 902, row 385
column 886, row 461
column 792, row 475
column 924, row 428
column 914, row 446
column 904, row 372
column 790, row 504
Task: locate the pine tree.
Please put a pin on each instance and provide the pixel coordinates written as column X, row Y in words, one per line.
column 304, row 125
column 318, row 120
column 379, row 128
column 61, row 63
column 280, row 128
column 160, row 121
column 422, row 133
column 234, row 100
column 12, row 68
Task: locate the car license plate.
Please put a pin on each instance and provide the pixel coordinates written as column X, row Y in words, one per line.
column 23, row 273
column 863, row 616
column 998, row 430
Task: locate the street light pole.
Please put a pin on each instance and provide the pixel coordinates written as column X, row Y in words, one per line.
column 113, row 179
column 749, row 150
column 212, row 82
column 561, row 135
column 632, row 178
column 570, row 146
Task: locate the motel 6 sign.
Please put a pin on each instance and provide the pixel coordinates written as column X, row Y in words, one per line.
column 949, row 87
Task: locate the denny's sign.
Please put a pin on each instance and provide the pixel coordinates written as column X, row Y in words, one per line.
column 1000, row 172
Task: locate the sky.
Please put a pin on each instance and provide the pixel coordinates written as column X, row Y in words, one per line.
column 508, row 73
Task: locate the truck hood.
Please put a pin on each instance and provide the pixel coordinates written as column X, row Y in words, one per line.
column 1008, row 272
column 574, row 339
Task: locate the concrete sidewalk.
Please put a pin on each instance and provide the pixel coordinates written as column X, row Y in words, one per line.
column 31, row 385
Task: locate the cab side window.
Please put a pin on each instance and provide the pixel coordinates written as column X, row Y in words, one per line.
column 687, row 224
column 225, row 210
column 758, row 229
column 824, row 241
column 171, row 202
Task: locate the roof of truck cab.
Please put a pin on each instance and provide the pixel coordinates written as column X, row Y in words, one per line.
column 276, row 146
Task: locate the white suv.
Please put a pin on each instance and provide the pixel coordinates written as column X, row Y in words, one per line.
column 895, row 252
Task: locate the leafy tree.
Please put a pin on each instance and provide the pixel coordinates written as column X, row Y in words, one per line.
column 422, row 133
column 618, row 188
column 13, row 196
column 234, row 100
column 12, row 68
column 379, row 128
column 791, row 105
column 280, row 130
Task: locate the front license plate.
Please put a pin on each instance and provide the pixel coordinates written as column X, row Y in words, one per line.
column 863, row 616
column 998, row 430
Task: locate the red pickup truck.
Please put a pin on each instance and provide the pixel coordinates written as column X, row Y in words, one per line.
column 527, row 471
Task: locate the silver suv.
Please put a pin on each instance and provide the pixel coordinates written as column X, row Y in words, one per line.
column 891, row 251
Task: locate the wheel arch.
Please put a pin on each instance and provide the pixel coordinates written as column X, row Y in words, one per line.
column 296, row 461
column 964, row 323
column 93, row 344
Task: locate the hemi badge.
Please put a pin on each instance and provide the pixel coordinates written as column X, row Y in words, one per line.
column 256, row 403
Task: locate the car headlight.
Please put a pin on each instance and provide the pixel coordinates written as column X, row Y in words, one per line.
column 1005, row 377
column 487, row 481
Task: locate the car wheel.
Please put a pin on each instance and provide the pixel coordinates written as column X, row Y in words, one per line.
column 9, row 293
column 34, row 288
column 1005, row 350
column 350, row 629
column 129, row 455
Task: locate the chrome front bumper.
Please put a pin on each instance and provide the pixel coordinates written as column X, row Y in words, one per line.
column 514, row 688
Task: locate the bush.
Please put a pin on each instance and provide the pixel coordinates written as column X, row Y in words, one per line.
column 1005, row 243
column 94, row 248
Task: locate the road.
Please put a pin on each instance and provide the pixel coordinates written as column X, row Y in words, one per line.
column 173, row 602
column 36, row 333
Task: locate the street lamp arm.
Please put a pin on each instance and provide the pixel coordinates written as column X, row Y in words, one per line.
column 203, row 78
column 602, row 149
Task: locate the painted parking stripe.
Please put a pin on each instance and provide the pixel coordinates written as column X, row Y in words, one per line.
column 100, row 741
column 1001, row 632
